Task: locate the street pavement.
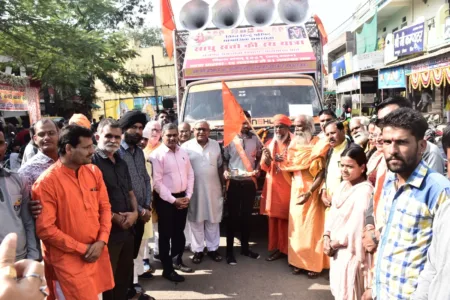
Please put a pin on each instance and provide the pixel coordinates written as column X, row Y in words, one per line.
column 249, row 279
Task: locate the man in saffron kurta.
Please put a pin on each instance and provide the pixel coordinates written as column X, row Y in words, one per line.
column 306, row 159
column 75, row 222
column 276, row 193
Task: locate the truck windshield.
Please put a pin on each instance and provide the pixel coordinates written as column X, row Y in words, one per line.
column 262, row 98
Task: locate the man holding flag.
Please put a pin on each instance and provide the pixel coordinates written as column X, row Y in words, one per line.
column 242, row 153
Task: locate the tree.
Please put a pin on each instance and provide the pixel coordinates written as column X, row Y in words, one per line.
column 67, row 44
column 147, row 37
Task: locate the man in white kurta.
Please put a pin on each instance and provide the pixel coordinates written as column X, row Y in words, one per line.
column 205, row 208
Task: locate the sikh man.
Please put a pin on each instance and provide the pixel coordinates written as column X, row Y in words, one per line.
column 205, row 207
column 306, row 159
column 75, row 222
column 173, row 179
column 359, row 132
column 80, row 120
column 242, row 155
column 132, row 124
column 277, row 190
column 123, row 205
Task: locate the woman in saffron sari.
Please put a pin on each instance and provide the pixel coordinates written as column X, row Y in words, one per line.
column 344, row 227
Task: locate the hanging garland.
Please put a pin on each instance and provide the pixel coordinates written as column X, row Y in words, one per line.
column 425, row 78
column 446, row 74
column 14, row 81
column 414, row 80
column 437, row 77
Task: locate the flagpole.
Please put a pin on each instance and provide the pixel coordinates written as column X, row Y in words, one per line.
column 253, row 129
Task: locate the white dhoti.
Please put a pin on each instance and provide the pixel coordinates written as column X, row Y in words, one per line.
column 155, row 239
column 204, row 232
column 187, row 234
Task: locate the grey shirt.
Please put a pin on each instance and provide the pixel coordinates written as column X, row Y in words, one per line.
column 30, row 151
column 252, row 148
column 15, row 214
column 140, row 179
column 435, row 277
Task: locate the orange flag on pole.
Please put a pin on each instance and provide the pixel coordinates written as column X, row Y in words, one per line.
column 233, row 115
column 321, row 28
column 167, row 26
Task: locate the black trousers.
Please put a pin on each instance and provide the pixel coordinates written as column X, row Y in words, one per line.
column 171, row 223
column 240, row 199
column 138, row 233
column 121, row 256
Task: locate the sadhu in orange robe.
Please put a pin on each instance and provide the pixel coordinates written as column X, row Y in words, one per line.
column 306, row 222
column 76, row 212
column 275, row 199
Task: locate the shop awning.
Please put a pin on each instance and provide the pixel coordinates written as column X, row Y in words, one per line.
column 246, row 51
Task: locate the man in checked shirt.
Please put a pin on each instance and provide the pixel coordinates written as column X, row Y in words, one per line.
column 412, row 195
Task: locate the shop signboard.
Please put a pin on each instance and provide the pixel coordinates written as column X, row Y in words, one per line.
column 441, row 61
column 348, row 84
column 391, row 78
column 409, row 40
column 366, row 61
column 342, row 66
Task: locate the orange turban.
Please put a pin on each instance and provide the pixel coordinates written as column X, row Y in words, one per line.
column 80, row 120
column 281, row 119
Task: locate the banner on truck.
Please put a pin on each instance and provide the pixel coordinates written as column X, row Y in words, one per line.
column 245, row 51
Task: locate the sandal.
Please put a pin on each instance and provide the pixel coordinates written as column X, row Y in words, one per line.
column 313, row 275
column 198, row 257
column 297, row 271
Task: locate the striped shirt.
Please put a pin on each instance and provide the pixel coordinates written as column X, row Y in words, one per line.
column 408, row 217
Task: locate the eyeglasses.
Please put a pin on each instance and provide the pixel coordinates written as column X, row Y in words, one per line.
column 281, row 127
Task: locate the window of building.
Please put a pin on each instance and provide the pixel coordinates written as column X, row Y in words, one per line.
column 147, row 81
column 395, row 29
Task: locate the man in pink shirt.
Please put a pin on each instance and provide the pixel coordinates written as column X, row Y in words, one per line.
column 173, row 179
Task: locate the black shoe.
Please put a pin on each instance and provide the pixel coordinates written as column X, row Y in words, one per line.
column 215, row 256
column 198, row 257
column 146, row 275
column 182, row 268
column 231, row 260
column 174, row 277
column 157, row 258
column 251, row 254
column 132, row 292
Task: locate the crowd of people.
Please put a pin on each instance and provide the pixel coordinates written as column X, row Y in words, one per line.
column 370, row 204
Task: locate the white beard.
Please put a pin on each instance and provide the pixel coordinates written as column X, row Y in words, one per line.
column 303, row 138
column 281, row 139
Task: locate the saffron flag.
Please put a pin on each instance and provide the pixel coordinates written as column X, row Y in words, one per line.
column 167, row 26
column 233, row 115
column 321, row 28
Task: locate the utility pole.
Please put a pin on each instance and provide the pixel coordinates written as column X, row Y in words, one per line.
column 154, row 84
